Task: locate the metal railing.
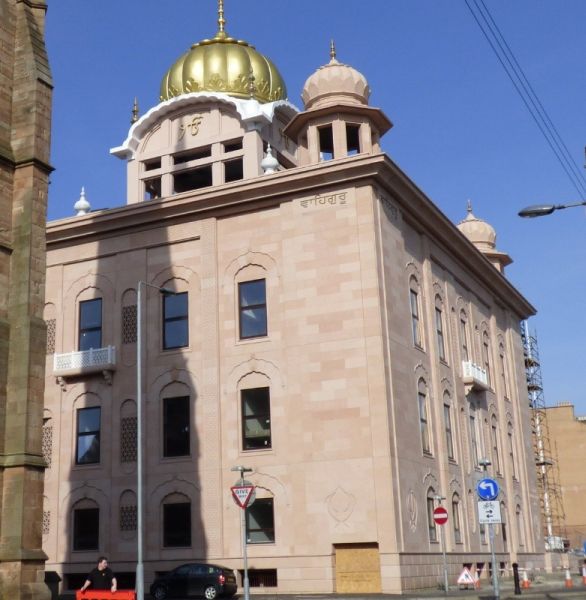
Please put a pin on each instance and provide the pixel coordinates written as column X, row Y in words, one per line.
column 472, row 373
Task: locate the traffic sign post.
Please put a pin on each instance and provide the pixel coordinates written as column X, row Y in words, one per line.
column 440, row 517
column 243, row 494
column 489, row 512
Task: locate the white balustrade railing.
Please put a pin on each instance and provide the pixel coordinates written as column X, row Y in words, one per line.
column 94, row 358
column 471, row 371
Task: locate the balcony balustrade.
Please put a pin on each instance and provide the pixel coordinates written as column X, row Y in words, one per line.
column 85, row 362
column 475, row 377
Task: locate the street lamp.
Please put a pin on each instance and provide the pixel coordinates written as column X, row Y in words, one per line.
column 246, row 585
column 540, row 210
column 139, row 491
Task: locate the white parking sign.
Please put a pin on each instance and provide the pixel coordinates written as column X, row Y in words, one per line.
column 489, row 511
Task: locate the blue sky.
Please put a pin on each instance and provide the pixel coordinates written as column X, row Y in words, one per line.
column 460, row 129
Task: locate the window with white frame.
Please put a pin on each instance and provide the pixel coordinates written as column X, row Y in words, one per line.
column 511, row 444
column 474, row 437
column 503, row 368
column 439, row 329
column 431, row 525
column 415, row 312
column 486, row 356
column 464, row 336
column 422, row 401
column 448, row 426
column 496, row 461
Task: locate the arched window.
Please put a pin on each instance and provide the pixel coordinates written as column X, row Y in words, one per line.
column 520, row 530
column 439, row 328
column 86, row 525
column 496, row 462
column 464, row 336
column 504, row 525
column 511, row 449
column 414, row 302
column 448, row 426
column 474, row 446
column 431, row 526
column 503, row 368
column 176, row 521
column 422, row 401
column 486, row 356
column 456, row 520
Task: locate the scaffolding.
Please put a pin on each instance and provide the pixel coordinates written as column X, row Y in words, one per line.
column 548, row 481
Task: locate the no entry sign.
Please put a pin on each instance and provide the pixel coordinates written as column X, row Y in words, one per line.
column 440, row 515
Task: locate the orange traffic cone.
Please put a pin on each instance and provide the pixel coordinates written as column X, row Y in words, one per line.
column 568, row 582
column 525, row 582
column 584, row 575
column 477, row 580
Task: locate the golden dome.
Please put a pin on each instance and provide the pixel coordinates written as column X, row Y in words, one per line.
column 224, row 64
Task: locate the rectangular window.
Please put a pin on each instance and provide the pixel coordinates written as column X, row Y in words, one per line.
column 252, row 299
column 512, row 453
column 439, row 330
column 194, row 154
column 449, row 436
column 176, row 426
column 152, row 164
column 177, row 525
column 260, row 522
column 86, row 529
column 415, row 327
column 504, row 374
column 353, row 139
column 233, row 170
column 486, row 357
column 326, row 142
column 233, row 145
column 256, row 418
column 194, row 179
column 423, row 424
column 175, row 321
column 88, row 436
column 152, row 188
column 90, row 324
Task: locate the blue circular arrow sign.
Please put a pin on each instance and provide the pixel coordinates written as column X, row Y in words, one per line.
column 487, row 489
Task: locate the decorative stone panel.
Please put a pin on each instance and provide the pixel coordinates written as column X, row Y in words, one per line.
column 128, row 427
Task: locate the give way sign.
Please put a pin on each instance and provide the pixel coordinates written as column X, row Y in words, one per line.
column 242, row 494
column 440, row 515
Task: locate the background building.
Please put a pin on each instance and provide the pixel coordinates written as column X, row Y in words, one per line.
column 329, row 328
column 568, row 436
column 25, row 122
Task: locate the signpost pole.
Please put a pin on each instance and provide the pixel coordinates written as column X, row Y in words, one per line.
column 495, row 576
column 243, row 505
column 441, row 518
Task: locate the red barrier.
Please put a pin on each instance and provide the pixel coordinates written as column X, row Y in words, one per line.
column 105, row 595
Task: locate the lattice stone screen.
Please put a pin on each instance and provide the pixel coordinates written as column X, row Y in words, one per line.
column 46, row 521
column 128, row 518
column 47, row 442
column 51, row 327
column 129, row 324
column 128, row 439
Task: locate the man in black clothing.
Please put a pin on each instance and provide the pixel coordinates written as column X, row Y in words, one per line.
column 101, row 578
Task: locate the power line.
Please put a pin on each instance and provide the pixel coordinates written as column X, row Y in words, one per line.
column 528, row 95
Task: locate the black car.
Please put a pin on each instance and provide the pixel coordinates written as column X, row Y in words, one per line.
column 195, row 579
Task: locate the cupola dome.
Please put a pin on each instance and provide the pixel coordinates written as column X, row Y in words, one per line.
column 227, row 65
column 479, row 232
column 335, row 83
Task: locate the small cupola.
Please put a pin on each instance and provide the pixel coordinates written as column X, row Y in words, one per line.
column 337, row 121
column 483, row 236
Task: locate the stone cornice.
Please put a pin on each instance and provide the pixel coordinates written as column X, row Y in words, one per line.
column 22, row 460
column 35, row 162
column 270, row 190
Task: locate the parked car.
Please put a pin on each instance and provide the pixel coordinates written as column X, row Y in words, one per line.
column 195, row 579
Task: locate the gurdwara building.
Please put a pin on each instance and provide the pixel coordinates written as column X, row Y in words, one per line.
column 278, row 295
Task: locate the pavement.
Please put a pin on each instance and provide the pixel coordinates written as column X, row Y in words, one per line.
column 549, row 587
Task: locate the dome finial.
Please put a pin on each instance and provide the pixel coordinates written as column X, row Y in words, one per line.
column 134, row 117
column 221, row 21
column 82, row 206
column 469, row 206
column 332, row 51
